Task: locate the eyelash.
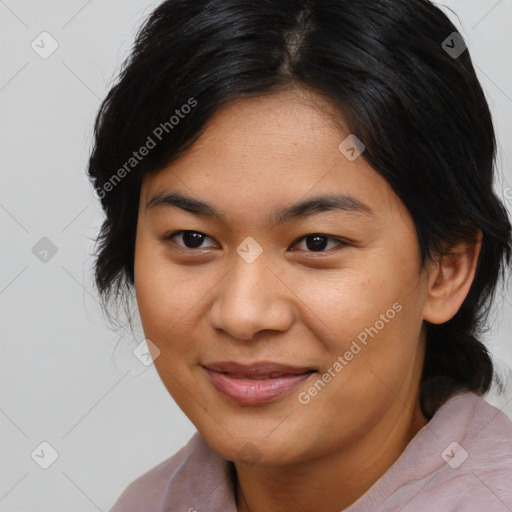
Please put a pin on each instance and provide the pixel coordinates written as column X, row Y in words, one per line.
column 342, row 243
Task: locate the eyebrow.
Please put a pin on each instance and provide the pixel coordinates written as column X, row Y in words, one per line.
column 300, row 210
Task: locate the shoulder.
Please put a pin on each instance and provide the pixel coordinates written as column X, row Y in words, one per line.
column 485, row 436
column 472, row 441
column 460, row 461
column 484, row 476
column 149, row 491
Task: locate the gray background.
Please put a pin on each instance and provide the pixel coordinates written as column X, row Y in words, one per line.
column 66, row 378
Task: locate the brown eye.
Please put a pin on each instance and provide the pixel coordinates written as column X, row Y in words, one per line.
column 190, row 239
column 317, row 242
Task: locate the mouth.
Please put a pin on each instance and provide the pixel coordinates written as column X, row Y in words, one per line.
column 256, row 383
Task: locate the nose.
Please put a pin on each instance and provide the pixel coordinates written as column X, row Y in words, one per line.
column 251, row 298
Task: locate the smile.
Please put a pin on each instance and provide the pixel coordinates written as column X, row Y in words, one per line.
column 255, row 384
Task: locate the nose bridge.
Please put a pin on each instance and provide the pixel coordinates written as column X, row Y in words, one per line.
column 251, row 298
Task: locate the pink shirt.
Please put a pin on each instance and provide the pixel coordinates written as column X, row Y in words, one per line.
column 461, row 461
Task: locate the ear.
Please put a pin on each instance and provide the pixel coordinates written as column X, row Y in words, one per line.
column 449, row 281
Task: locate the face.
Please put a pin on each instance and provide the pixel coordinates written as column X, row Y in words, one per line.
column 282, row 337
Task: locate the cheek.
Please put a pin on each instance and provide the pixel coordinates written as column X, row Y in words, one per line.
column 158, row 299
column 371, row 312
column 340, row 306
column 166, row 305
column 166, row 293
column 166, row 301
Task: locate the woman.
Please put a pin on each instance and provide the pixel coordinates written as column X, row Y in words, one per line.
column 300, row 194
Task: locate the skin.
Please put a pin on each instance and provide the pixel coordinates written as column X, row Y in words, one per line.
column 292, row 305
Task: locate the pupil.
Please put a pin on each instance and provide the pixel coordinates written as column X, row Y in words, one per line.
column 192, row 239
column 319, row 244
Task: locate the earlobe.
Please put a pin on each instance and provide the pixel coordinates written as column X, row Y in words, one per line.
column 450, row 280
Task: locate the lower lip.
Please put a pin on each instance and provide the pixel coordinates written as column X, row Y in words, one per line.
column 252, row 391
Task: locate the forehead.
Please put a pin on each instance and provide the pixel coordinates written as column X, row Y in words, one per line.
column 285, row 124
column 270, row 151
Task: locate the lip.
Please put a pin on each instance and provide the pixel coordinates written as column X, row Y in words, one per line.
column 257, row 383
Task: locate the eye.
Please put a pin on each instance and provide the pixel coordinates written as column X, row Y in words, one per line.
column 317, row 242
column 191, row 239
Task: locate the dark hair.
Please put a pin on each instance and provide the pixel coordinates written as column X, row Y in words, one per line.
column 385, row 67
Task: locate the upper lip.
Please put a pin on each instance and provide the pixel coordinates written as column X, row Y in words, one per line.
column 263, row 368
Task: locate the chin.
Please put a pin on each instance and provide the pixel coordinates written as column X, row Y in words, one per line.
column 257, row 449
